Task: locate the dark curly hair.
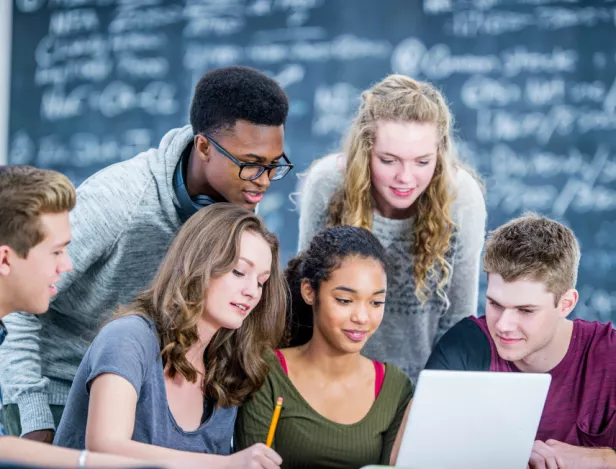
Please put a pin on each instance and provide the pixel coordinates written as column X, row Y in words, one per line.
column 326, row 252
column 225, row 95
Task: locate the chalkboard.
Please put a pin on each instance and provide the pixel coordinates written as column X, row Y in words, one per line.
column 531, row 83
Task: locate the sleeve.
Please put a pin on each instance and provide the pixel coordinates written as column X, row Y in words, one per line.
column 96, row 222
column 126, row 347
column 464, row 288
column 319, row 185
column 390, row 435
column 254, row 417
column 464, row 347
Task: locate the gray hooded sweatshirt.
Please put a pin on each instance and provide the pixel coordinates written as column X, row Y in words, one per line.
column 123, row 222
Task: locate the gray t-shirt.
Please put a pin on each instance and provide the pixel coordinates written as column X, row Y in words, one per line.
column 129, row 347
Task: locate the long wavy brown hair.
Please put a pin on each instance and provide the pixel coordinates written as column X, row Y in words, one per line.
column 207, row 246
column 402, row 99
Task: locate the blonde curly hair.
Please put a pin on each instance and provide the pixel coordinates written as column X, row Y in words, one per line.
column 402, row 99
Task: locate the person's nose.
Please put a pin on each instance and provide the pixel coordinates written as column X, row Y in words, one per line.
column 507, row 322
column 66, row 265
column 263, row 181
column 406, row 176
column 251, row 288
column 360, row 314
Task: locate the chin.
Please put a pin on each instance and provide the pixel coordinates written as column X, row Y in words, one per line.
column 400, row 205
column 232, row 325
column 352, row 348
column 511, row 356
column 38, row 309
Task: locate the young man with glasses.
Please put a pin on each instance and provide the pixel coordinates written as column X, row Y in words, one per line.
column 126, row 216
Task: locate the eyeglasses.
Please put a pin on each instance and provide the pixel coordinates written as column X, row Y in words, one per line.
column 252, row 171
column 3, row 332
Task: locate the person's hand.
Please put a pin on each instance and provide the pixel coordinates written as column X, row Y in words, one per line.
column 558, row 455
column 44, row 436
column 256, row 456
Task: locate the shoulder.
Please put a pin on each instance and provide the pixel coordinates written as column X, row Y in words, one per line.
column 270, row 357
column 113, row 180
column 329, row 167
column 111, row 196
column 127, row 180
column 126, row 347
column 397, row 377
column 273, row 362
column 397, row 386
column 327, row 172
column 469, row 193
column 600, row 338
column 470, row 327
column 264, row 395
column 465, row 346
column 129, row 332
column 132, row 325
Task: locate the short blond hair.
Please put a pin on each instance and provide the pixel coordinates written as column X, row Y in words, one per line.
column 26, row 193
column 535, row 248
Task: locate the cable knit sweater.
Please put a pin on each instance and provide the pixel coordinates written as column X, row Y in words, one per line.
column 409, row 330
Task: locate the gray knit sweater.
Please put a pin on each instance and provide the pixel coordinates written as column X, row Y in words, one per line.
column 409, row 330
column 122, row 224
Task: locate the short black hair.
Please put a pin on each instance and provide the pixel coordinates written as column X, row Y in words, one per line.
column 325, row 254
column 225, row 95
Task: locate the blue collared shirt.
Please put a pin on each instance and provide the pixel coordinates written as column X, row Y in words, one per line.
column 3, row 332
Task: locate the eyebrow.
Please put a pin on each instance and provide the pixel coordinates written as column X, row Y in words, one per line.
column 386, row 153
column 252, row 264
column 261, row 159
column 516, row 306
column 248, row 261
column 350, row 290
column 61, row 245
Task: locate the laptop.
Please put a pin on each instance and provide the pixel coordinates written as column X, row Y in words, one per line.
column 473, row 419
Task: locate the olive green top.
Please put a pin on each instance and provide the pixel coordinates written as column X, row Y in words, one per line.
column 306, row 439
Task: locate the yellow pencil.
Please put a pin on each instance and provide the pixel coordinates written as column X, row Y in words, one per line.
column 274, row 423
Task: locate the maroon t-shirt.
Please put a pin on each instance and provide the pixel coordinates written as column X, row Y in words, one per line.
column 580, row 408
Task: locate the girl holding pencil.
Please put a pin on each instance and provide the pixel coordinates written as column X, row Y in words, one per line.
column 340, row 409
column 163, row 379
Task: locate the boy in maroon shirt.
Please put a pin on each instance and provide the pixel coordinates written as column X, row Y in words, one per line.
column 532, row 265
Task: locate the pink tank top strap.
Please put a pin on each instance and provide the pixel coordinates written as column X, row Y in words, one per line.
column 283, row 362
column 379, row 368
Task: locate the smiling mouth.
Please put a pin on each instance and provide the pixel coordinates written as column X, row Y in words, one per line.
column 400, row 192
column 509, row 340
column 253, row 196
column 243, row 308
column 356, row 336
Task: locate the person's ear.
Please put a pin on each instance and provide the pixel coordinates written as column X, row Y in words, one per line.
column 5, row 260
column 203, row 147
column 308, row 292
column 567, row 302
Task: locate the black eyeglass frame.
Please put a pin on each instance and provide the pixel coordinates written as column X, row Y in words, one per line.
column 261, row 167
column 3, row 332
